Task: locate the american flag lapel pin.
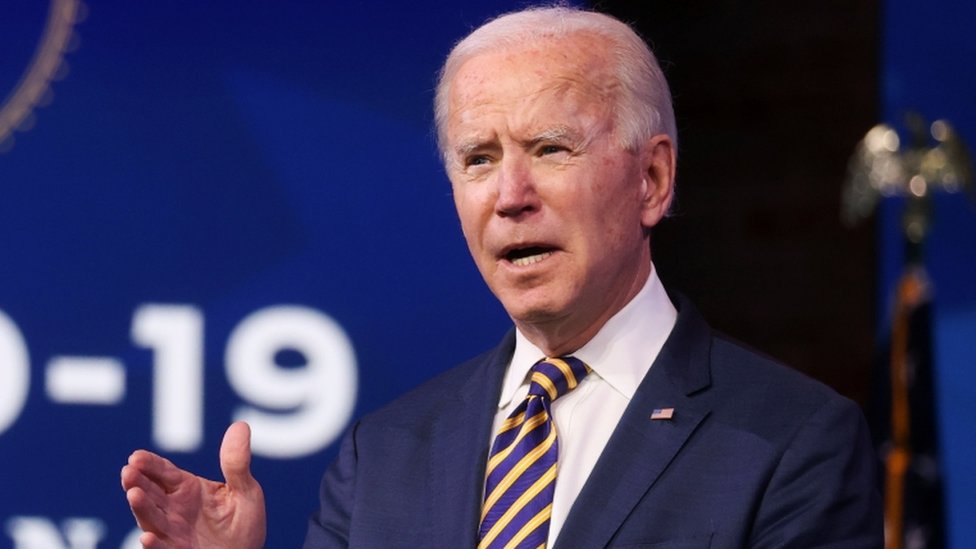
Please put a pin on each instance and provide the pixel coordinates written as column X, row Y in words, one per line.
column 662, row 413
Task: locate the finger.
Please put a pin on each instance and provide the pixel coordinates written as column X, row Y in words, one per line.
column 158, row 469
column 133, row 478
column 235, row 457
column 150, row 540
column 149, row 516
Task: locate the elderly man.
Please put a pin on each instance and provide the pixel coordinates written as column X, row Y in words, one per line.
column 611, row 416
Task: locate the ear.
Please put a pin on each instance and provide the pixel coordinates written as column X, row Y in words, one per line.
column 658, row 161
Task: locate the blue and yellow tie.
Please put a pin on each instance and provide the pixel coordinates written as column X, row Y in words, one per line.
column 521, row 475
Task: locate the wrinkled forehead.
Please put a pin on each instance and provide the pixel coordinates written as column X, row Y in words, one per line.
column 579, row 56
column 568, row 69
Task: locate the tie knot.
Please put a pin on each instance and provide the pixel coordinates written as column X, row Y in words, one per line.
column 554, row 377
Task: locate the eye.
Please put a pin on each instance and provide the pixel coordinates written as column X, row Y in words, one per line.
column 551, row 149
column 476, row 160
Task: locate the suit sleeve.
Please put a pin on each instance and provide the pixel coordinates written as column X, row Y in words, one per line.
column 824, row 491
column 328, row 528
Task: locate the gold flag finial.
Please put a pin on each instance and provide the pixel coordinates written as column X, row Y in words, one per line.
column 936, row 160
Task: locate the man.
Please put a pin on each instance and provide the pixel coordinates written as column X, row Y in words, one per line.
column 558, row 137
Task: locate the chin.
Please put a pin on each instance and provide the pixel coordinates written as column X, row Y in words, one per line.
column 525, row 312
column 536, row 304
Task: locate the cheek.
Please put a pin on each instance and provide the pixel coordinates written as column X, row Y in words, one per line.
column 470, row 215
column 613, row 222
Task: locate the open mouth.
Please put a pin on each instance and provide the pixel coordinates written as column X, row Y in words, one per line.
column 522, row 257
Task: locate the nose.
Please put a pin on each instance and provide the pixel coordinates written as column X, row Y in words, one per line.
column 517, row 194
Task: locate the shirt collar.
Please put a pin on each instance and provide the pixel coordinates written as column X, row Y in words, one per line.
column 621, row 353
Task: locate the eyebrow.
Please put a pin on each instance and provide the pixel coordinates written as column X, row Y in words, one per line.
column 469, row 146
column 557, row 133
column 563, row 134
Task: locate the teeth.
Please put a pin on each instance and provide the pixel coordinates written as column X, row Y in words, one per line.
column 529, row 260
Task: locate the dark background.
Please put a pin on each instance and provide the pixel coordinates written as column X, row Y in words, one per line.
column 771, row 99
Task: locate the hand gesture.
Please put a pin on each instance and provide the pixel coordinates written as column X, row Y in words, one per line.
column 179, row 510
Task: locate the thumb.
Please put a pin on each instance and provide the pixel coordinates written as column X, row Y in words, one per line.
column 235, row 456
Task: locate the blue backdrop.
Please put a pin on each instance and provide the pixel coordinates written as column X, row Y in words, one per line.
column 928, row 67
column 217, row 208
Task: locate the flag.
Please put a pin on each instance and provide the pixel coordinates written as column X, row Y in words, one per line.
column 904, row 420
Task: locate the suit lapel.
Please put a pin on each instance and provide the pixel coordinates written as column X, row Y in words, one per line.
column 641, row 448
column 459, row 449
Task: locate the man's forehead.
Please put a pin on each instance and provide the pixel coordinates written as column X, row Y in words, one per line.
column 549, row 89
column 573, row 60
column 503, row 82
column 564, row 114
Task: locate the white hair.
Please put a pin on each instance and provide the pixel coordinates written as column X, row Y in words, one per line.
column 642, row 110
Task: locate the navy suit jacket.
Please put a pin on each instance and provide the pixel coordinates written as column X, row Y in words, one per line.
column 755, row 455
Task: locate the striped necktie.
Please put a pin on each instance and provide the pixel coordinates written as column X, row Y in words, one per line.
column 521, row 475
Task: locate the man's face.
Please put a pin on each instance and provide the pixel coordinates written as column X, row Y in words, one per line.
column 553, row 208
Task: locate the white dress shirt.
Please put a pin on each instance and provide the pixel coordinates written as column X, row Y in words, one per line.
column 620, row 355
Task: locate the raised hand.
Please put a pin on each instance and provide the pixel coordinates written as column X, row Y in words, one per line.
column 179, row 510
